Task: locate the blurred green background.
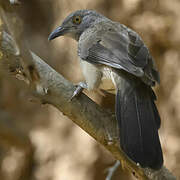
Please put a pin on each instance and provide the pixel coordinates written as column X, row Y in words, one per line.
column 37, row 142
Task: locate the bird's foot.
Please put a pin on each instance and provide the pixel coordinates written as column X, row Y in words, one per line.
column 79, row 89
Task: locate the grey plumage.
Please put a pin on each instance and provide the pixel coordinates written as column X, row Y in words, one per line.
column 103, row 43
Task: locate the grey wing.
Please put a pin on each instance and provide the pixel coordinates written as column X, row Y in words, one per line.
column 120, row 48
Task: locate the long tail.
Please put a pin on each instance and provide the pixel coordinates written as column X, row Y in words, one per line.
column 139, row 122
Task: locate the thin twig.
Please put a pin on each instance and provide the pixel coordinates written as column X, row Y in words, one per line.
column 112, row 169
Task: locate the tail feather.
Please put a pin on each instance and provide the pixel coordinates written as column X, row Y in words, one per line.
column 139, row 122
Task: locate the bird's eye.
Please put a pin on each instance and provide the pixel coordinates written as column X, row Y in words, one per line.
column 77, row 19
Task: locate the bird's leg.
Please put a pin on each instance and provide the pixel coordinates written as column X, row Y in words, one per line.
column 79, row 89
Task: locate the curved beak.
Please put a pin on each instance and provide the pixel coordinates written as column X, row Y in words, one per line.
column 60, row 31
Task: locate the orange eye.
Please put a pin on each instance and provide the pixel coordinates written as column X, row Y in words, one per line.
column 77, row 19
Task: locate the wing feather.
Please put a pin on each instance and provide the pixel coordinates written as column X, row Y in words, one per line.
column 118, row 47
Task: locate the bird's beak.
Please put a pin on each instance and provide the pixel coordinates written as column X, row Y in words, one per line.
column 60, row 31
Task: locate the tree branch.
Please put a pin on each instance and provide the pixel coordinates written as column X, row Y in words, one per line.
column 15, row 27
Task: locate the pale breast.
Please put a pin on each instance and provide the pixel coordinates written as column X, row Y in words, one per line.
column 98, row 76
column 107, row 81
column 91, row 73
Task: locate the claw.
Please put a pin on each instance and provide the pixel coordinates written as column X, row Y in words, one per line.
column 79, row 89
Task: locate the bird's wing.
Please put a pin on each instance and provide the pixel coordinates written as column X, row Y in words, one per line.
column 119, row 47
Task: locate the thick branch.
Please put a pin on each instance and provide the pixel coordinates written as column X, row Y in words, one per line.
column 97, row 122
column 15, row 27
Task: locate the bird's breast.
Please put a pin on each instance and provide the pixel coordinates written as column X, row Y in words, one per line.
column 107, row 81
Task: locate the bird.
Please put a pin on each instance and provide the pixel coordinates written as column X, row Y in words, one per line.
column 105, row 45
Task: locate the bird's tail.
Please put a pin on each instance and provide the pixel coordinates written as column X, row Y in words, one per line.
column 139, row 122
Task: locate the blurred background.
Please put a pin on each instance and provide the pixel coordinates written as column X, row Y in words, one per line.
column 39, row 143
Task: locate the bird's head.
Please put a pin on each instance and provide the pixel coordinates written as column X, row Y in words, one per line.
column 76, row 23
